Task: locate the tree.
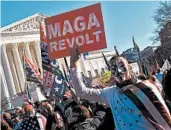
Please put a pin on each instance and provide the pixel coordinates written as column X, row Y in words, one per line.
column 162, row 53
column 163, row 31
column 162, row 17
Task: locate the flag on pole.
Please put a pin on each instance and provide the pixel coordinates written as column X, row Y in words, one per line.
column 106, row 62
column 135, row 45
column 137, row 49
column 166, row 65
column 117, row 53
column 54, row 78
column 30, row 75
column 31, row 71
column 28, row 92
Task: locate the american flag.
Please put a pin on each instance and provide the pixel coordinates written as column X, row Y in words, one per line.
column 36, row 122
column 30, row 123
column 32, row 71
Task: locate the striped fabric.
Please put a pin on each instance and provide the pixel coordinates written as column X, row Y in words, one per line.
column 37, row 122
column 32, row 70
column 150, row 103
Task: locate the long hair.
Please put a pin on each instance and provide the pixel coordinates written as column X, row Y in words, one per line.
column 167, row 83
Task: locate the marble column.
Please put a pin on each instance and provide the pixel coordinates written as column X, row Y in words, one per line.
column 21, row 51
column 19, row 66
column 7, row 72
column 13, row 70
column 5, row 96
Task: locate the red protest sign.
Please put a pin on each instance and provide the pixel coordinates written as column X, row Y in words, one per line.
column 83, row 27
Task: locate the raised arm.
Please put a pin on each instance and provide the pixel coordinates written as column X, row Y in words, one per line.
column 82, row 91
column 100, row 95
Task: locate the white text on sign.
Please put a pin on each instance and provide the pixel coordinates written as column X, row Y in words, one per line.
column 79, row 24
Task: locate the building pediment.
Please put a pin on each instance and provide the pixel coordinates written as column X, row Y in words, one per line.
column 26, row 24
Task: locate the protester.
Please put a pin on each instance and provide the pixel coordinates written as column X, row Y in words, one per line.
column 17, row 122
column 159, row 76
column 141, row 77
column 20, row 112
column 52, row 102
column 164, row 75
column 43, row 110
column 33, row 120
column 5, row 125
column 134, row 104
column 7, row 119
column 167, row 84
column 167, row 89
column 54, row 120
column 126, row 99
column 153, row 80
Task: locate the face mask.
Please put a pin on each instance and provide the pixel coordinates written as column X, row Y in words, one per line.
column 118, row 69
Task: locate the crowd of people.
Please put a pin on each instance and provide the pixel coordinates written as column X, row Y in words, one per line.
column 68, row 115
column 126, row 102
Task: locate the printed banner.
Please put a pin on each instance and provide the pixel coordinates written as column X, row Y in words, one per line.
column 52, row 75
column 82, row 27
column 105, row 77
column 59, row 87
column 32, row 73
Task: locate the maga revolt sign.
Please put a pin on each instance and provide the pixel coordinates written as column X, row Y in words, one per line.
column 82, row 27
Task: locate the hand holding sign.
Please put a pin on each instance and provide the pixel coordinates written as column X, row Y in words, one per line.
column 75, row 54
column 82, row 27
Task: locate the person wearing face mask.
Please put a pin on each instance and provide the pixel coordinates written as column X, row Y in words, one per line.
column 134, row 105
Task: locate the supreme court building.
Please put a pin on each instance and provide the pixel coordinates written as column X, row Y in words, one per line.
column 24, row 35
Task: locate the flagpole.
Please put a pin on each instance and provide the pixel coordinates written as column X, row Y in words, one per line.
column 25, row 86
column 72, row 92
column 66, row 64
column 116, row 51
column 64, row 73
column 138, row 54
column 105, row 59
column 139, row 61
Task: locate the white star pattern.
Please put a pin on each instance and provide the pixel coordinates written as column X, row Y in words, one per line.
column 56, row 89
column 30, row 124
